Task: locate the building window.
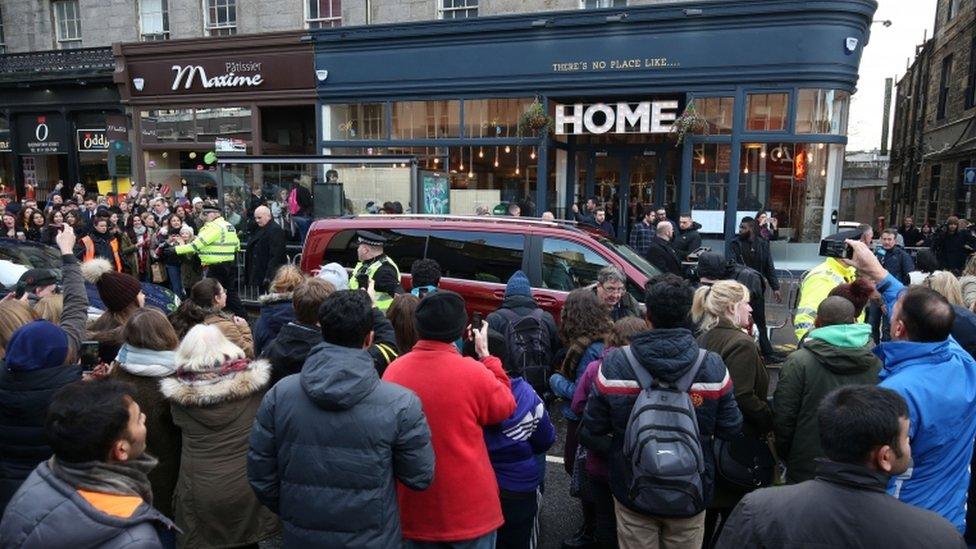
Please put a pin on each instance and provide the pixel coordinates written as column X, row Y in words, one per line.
column 718, row 112
column 935, row 181
column 154, row 19
column 971, row 81
column 953, row 9
column 426, row 119
column 220, row 17
column 458, row 9
column 596, row 4
column 940, row 112
column 766, row 112
column 822, row 111
column 495, row 118
column 354, row 122
column 67, row 19
column 323, row 14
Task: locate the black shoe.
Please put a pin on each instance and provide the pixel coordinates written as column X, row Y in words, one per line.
column 580, row 541
column 774, row 358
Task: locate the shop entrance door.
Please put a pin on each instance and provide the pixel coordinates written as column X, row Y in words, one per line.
column 625, row 181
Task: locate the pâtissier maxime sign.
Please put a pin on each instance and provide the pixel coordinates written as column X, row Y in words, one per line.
column 236, row 75
column 257, row 73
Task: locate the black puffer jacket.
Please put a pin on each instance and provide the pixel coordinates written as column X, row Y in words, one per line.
column 667, row 355
column 524, row 305
column 327, row 445
column 687, row 241
column 276, row 311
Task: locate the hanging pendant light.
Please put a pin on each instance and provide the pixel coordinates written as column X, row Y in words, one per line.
column 481, row 152
column 507, row 149
column 532, row 154
column 471, row 163
column 496, row 157
column 518, row 158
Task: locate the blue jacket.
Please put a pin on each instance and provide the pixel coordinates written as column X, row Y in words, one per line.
column 897, row 262
column 514, row 443
column 938, row 380
column 276, row 311
column 565, row 388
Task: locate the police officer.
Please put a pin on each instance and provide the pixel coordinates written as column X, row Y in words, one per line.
column 217, row 245
column 378, row 267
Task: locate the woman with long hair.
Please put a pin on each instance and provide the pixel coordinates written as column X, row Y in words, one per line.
column 166, row 236
column 276, row 307
column 723, row 314
column 214, row 397
column 24, row 218
column 122, row 295
column 49, row 307
column 72, row 219
column 14, row 313
column 205, row 305
column 35, row 226
column 55, row 223
column 10, row 228
column 147, row 356
column 400, row 314
column 946, row 284
column 142, row 238
column 585, row 325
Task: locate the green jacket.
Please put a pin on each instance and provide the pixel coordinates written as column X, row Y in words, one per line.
column 831, row 357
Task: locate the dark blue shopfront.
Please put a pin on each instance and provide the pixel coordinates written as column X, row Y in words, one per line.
column 771, row 78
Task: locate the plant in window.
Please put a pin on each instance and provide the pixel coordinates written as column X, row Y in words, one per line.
column 535, row 120
column 690, row 122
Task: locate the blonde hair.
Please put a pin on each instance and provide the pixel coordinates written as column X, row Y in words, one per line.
column 286, row 279
column 14, row 313
column 946, row 284
column 50, row 307
column 712, row 303
column 970, row 269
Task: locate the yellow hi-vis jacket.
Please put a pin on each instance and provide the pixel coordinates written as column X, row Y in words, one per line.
column 383, row 299
column 217, row 242
column 814, row 289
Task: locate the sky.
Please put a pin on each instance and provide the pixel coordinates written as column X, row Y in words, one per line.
column 885, row 56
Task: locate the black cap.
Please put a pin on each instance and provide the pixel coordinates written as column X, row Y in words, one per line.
column 441, row 316
column 34, row 278
column 371, row 238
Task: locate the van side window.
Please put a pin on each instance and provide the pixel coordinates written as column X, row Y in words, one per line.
column 403, row 247
column 567, row 265
column 478, row 256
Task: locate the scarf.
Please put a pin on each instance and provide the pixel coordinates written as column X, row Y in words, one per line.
column 126, row 478
column 139, row 231
column 146, row 363
column 217, row 373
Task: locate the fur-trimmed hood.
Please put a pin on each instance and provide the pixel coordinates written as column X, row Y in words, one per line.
column 227, row 388
column 274, row 298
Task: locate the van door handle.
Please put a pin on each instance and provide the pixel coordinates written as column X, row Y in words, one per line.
column 545, row 300
column 500, row 294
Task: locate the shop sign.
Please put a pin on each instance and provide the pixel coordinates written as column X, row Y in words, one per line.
column 92, row 140
column 148, row 130
column 600, row 118
column 969, row 176
column 116, row 128
column 41, row 134
column 196, row 74
column 5, row 141
column 231, row 145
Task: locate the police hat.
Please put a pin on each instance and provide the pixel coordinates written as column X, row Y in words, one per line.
column 210, row 208
column 34, row 278
column 371, row 238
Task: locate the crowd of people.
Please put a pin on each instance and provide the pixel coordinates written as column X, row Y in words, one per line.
column 352, row 412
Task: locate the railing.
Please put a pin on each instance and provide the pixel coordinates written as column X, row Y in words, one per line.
column 76, row 60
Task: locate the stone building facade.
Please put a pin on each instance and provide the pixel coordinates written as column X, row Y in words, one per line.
column 934, row 137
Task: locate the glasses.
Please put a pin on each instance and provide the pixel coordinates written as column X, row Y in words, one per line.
column 613, row 289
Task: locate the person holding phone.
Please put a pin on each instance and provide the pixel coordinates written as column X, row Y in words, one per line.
column 31, row 373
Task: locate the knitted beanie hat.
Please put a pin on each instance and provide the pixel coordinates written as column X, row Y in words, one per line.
column 441, row 316
column 518, row 284
column 117, row 290
column 35, row 346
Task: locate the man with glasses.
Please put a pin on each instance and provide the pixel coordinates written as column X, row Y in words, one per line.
column 611, row 288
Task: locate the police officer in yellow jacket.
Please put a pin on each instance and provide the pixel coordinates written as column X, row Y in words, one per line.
column 375, row 265
column 217, row 245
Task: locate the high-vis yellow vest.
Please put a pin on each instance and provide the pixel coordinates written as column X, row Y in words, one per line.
column 217, row 242
column 383, row 299
column 814, row 289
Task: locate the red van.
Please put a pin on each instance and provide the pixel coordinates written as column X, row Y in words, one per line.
column 477, row 255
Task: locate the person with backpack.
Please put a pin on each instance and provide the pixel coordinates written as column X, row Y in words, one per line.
column 661, row 487
column 531, row 336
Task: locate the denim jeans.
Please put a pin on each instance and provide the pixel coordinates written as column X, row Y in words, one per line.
column 486, row 541
column 174, row 274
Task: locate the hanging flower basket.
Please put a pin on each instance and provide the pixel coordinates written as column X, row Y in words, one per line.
column 690, row 122
column 535, row 120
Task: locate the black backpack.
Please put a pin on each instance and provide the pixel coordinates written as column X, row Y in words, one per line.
column 527, row 343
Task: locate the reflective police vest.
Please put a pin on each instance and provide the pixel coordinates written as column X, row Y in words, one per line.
column 815, row 287
column 383, row 299
column 217, row 242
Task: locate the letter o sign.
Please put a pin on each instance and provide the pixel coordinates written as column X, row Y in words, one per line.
column 608, row 123
column 41, row 132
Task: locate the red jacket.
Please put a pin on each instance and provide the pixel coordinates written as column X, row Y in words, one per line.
column 459, row 396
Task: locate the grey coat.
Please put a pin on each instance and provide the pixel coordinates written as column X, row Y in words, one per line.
column 47, row 512
column 328, row 445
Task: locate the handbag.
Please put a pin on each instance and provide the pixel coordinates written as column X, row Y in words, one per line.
column 745, row 462
column 158, row 273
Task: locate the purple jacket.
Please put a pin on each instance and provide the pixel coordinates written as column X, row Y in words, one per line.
column 514, row 443
column 595, row 466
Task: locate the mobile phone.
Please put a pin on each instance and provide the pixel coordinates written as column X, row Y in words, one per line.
column 836, row 248
column 363, row 281
column 476, row 321
column 423, row 291
column 89, row 355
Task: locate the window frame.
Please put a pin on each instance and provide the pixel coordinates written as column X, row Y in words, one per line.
column 435, row 236
column 970, row 80
column 61, row 22
column 603, row 4
column 952, row 10
column 546, row 238
column 163, row 13
column 220, row 28
column 443, row 10
column 942, row 101
column 321, row 22
column 788, row 124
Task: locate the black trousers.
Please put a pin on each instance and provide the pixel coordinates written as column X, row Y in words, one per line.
column 519, row 510
column 759, row 319
column 226, row 274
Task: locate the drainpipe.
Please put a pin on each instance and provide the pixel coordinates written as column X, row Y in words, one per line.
column 369, row 11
